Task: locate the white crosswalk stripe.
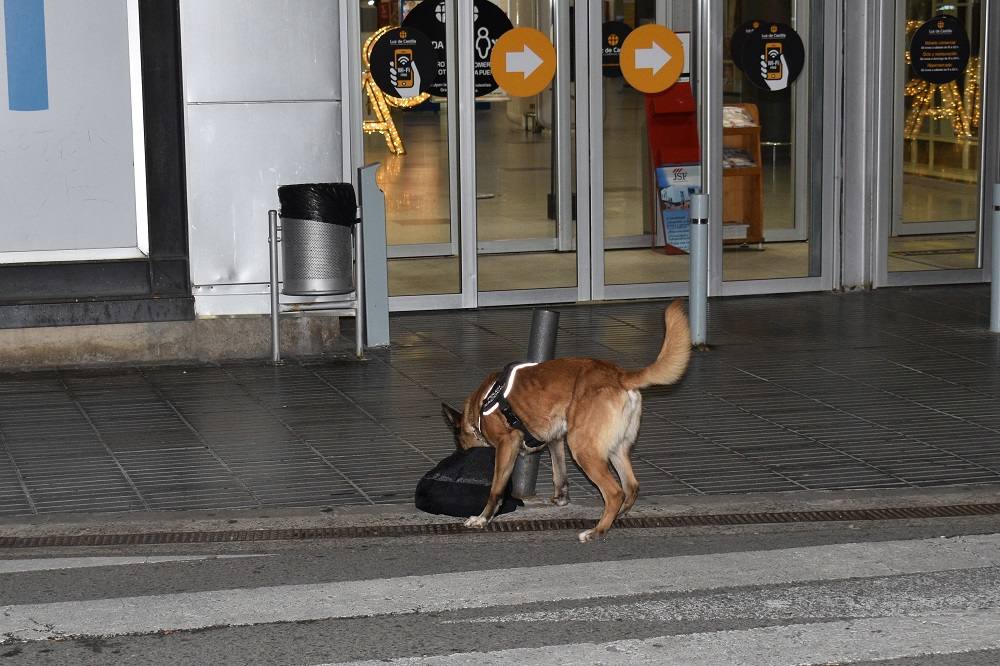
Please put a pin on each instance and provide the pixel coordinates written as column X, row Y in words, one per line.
column 922, row 594
column 865, row 639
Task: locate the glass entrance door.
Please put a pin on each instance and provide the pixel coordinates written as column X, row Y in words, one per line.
column 525, row 228
column 768, row 155
column 414, row 140
column 774, row 152
column 635, row 259
column 478, row 182
column 935, row 228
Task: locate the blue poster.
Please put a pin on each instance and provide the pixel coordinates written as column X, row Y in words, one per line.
column 675, row 184
column 27, row 73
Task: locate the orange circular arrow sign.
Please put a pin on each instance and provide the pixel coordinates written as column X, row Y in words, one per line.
column 652, row 58
column 523, row 62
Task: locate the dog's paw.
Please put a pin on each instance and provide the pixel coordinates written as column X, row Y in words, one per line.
column 560, row 500
column 476, row 521
column 587, row 536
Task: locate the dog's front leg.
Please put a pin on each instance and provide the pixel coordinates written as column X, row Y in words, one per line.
column 560, row 483
column 507, row 450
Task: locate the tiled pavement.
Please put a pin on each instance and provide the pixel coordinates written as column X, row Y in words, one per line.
column 894, row 388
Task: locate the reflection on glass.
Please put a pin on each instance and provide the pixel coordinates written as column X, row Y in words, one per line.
column 937, row 224
column 422, row 245
column 767, row 230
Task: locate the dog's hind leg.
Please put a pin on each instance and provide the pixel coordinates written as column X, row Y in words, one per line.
column 560, row 482
column 601, row 423
column 506, row 456
column 623, row 465
column 620, row 455
column 597, row 470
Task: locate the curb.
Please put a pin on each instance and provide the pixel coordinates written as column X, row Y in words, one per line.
column 669, row 511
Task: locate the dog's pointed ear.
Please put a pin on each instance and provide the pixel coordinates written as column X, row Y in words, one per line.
column 452, row 417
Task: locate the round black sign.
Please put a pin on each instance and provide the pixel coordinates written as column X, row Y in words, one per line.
column 737, row 40
column 772, row 56
column 489, row 22
column 613, row 34
column 939, row 50
column 402, row 63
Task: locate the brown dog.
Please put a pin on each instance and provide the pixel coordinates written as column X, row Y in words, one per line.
column 593, row 406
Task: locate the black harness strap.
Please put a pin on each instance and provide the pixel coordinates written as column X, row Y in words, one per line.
column 495, row 399
column 515, row 422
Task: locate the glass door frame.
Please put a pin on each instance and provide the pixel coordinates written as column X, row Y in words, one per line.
column 591, row 171
column 889, row 150
column 587, row 112
column 899, row 149
column 822, row 212
column 562, row 137
column 568, row 230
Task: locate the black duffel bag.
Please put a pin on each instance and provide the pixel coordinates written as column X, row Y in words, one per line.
column 459, row 485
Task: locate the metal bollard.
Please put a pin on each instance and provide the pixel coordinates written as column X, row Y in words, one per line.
column 541, row 347
column 698, row 297
column 995, row 263
column 272, row 240
column 542, row 339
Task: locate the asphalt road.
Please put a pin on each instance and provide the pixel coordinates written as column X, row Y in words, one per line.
column 918, row 592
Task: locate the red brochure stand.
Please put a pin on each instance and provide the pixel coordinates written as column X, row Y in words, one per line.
column 672, row 133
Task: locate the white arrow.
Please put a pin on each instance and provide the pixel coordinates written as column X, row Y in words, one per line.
column 653, row 58
column 526, row 61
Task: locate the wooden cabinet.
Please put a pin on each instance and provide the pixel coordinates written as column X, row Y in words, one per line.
column 742, row 198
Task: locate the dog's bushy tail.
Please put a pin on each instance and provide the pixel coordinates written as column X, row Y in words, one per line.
column 674, row 355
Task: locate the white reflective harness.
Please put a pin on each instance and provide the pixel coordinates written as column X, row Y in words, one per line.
column 496, row 398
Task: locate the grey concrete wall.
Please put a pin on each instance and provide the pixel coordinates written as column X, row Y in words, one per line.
column 262, row 95
column 203, row 340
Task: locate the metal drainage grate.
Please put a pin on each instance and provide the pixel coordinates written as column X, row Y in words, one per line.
column 293, row 534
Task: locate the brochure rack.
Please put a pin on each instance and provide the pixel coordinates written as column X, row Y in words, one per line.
column 672, row 135
column 742, row 197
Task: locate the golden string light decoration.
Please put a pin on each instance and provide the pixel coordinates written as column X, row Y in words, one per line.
column 951, row 108
column 380, row 102
column 973, row 97
column 961, row 109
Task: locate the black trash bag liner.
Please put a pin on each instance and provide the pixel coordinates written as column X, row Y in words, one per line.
column 459, row 485
column 333, row 203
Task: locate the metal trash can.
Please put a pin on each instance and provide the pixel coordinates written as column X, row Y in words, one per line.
column 317, row 221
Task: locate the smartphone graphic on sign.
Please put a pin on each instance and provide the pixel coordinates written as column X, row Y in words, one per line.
column 403, row 62
column 772, row 52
